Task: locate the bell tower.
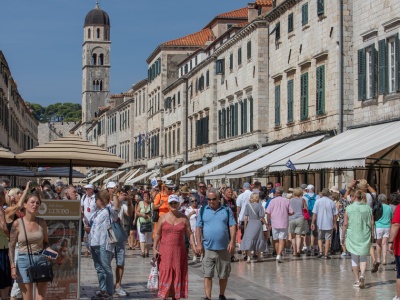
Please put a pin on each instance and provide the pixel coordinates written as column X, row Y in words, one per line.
column 95, row 64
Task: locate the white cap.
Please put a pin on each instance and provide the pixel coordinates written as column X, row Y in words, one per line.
column 173, row 198
column 89, row 186
column 310, row 187
column 110, row 185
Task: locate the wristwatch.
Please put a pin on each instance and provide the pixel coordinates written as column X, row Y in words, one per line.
column 390, row 242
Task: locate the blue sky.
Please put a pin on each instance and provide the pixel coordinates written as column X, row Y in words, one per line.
column 42, row 40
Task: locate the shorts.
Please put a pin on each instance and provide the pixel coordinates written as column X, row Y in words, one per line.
column 23, row 264
column 381, row 233
column 119, row 253
column 297, row 226
column 279, row 233
column 325, row 234
column 145, row 237
column 5, row 271
column 308, row 230
column 218, row 259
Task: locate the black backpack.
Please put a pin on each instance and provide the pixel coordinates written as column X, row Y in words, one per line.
column 377, row 210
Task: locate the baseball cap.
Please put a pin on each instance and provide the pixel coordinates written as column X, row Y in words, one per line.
column 310, row 187
column 334, row 189
column 110, row 185
column 277, row 184
column 173, row 198
column 303, row 186
column 89, row 186
column 246, row 185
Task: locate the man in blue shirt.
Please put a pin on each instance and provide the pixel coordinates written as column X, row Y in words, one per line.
column 216, row 227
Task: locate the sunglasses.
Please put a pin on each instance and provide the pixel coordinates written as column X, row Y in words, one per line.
column 173, row 203
column 211, row 199
column 193, row 201
column 170, row 189
column 202, row 186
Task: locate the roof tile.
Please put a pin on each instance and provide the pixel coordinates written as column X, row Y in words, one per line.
column 195, row 39
column 238, row 13
column 264, row 2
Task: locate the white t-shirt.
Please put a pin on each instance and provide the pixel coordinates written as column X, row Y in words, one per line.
column 89, row 206
column 242, row 201
column 193, row 218
column 123, row 211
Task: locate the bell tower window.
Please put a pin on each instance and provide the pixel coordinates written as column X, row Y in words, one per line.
column 89, row 33
column 94, row 59
column 98, row 33
column 101, row 59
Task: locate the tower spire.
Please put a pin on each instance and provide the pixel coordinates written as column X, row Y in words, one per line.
column 97, row 4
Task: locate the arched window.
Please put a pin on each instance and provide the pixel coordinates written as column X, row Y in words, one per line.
column 98, row 33
column 101, row 59
column 94, row 59
column 94, row 85
column 101, row 85
column 89, row 33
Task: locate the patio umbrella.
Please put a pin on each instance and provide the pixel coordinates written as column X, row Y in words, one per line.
column 16, row 171
column 7, row 158
column 70, row 150
column 59, row 172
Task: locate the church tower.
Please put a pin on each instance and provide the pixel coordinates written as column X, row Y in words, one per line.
column 95, row 64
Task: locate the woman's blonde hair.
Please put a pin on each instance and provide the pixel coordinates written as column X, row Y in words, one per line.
column 10, row 194
column 297, row 192
column 255, row 197
column 360, row 196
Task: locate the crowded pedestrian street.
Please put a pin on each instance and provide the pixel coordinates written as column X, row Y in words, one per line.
column 296, row 278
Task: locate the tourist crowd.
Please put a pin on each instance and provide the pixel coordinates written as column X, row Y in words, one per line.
column 215, row 227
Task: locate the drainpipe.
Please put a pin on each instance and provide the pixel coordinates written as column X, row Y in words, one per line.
column 186, row 123
column 341, row 47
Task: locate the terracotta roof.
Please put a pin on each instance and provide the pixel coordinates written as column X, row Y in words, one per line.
column 239, row 13
column 195, row 39
column 264, row 2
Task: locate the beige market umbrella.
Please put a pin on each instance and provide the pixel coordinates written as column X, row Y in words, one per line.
column 7, row 158
column 70, row 151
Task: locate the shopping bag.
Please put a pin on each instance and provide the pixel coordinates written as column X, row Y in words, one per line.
column 152, row 282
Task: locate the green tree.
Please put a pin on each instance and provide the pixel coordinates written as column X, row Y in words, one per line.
column 57, row 112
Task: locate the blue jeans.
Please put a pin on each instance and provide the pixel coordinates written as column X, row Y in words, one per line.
column 102, row 264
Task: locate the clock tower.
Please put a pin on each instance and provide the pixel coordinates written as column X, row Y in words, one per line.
column 95, row 64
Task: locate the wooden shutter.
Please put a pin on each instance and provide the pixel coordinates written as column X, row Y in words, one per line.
column 251, row 113
column 223, row 123
column 208, row 78
column 198, row 132
column 397, row 62
column 219, row 124
column 236, row 119
column 304, row 96
column 374, row 70
column 248, row 49
column 382, row 65
column 231, row 61
column 206, row 119
column 290, row 22
column 228, row 122
column 241, row 118
column 245, row 116
column 290, row 101
column 277, row 105
column 361, row 74
column 304, row 14
column 239, row 56
column 320, row 90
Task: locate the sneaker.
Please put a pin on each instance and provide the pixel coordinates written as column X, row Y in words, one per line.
column 362, row 282
column 315, row 252
column 245, row 257
column 279, row 259
column 320, row 255
column 274, row 253
column 194, row 258
column 239, row 252
column 234, row 259
column 356, row 284
column 308, row 253
column 375, row 267
column 120, row 292
column 222, row 297
column 100, row 293
column 343, row 254
column 396, row 298
column 201, row 258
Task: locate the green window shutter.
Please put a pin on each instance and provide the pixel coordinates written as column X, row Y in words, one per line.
column 382, row 65
column 277, row 105
column 207, row 78
column 321, row 90
column 290, row 101
column 361, row 74
column 251, row 113
column 248, row 49
column 304, row 14
column 219, row 124
column 290, row 22
column 232, row 127
column 231, row 61
column 239, row 56
column 223, row 123
column 236, row 118
column 207, row 129
column 241, row 118
column 198, row 132
column 374, row 70
column 228, row 122
column 304, row 96
column 245, row 116
column 397, row 63
column 320, row 7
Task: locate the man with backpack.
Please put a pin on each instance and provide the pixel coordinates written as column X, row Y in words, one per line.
column 311, row 235
column 216, row 228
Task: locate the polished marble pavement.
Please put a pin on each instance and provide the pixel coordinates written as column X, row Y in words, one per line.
column 296, row 278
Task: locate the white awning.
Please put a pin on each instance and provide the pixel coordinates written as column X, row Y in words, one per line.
column 113, row 176
column 349, row 149
column 126, row 176
column 98, row 177
column 218, row 161
column 284, row 152
column 165, row 177
column 134, row 173
column 222, row 172
column 141, row 177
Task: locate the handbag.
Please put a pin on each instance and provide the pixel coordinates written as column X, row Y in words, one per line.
column 37, row 273
column 115, row 231
column 306, row 214
column 152, row 281
column 145, row 227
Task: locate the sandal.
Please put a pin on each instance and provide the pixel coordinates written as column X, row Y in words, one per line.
column 362, row 282
column 234, row 259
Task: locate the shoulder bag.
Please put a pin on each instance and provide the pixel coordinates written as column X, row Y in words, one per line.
column 156, row 212
column 262, row 220
column 115, row 231
column 37, row 273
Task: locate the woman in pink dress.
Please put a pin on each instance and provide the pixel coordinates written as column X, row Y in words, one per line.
column 169, row 246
